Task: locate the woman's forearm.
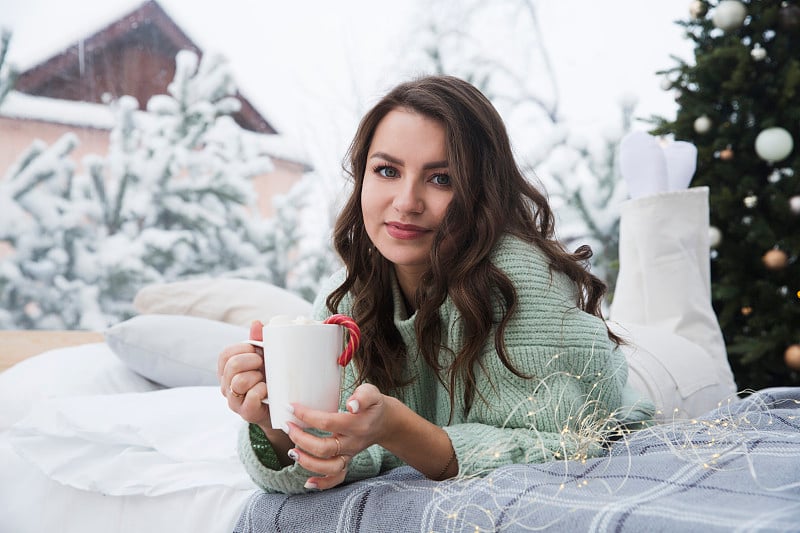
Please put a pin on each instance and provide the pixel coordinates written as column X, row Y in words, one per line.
column 419, row 443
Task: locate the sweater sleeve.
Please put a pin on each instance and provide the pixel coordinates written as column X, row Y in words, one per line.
column 291, row 479
column 573, row 395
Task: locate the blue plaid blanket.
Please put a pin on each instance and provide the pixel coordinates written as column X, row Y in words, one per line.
column 735, row 469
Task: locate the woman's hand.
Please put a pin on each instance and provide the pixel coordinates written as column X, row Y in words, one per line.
column 240, row 369
column 364, row 424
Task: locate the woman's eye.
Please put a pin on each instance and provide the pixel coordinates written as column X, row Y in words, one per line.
column 441, row 179
column 387, row 172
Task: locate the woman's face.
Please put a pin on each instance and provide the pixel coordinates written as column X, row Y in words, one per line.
column 406, row 190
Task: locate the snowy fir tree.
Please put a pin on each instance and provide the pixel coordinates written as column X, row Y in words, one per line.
column 47, row 228
column 303, row 257
column 172, row 199
column 580, row 177
column 7, row 72
column 739, row 103
column 41, row 283
column 175, row 190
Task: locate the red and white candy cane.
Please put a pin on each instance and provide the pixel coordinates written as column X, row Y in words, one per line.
column 353, row 336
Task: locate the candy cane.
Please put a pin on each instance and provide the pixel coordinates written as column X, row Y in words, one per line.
column 353, row 336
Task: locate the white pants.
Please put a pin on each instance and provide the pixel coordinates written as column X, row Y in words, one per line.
column 662, row 305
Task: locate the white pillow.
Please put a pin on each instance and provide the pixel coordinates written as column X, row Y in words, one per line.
column 236, row 301
column 75, row 370
column 173, row 350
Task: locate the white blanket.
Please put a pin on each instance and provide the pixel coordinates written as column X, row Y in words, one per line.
column 149, row 443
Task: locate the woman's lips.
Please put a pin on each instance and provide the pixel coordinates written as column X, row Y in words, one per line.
column 405, row 231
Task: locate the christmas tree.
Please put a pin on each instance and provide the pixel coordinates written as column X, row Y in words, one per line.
column 739, row 104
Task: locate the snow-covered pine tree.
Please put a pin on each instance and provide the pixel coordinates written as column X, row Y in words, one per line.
column 42, row 283
column 304, row 255
column 171, row 199
column 8, row 73
column 46, row 226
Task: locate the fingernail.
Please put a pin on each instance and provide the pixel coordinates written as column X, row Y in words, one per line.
column 353, row 405
column 290, row 408
column 311, row 485
column 293, row 455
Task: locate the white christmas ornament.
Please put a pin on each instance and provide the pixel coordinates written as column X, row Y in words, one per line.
column 758, row 53
column 729, row 15
column 750, row 201
column 666, row 83
column 714, row 236
column 774, row 144
column 794, row 204
column 702, row 124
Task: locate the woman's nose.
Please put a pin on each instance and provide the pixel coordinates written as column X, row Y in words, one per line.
column 408, row 198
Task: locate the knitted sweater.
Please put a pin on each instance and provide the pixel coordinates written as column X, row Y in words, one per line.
column 578, row 392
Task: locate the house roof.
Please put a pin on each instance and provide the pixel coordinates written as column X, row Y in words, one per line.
column 134, row 55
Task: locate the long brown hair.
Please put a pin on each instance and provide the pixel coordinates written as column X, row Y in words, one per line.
column 491, row 198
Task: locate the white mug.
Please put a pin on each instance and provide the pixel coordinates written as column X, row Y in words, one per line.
column 301, row 366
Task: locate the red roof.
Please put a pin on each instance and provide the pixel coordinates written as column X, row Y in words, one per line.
column 134, row 56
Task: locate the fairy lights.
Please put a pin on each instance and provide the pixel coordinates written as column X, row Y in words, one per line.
column 700, row 444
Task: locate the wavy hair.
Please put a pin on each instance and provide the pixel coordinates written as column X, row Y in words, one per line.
column 491, row 197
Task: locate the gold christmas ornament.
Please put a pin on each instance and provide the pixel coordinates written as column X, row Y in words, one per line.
column 726, row 154
column 747, row 310
column 697, row 9
column 775, row 259
column 792, row 356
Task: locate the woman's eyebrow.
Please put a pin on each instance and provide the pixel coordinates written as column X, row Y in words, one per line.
column 399, row 162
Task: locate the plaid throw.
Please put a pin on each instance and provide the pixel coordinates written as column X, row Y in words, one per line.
column 735, row 469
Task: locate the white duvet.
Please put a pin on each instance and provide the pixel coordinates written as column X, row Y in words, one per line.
column 85, row 457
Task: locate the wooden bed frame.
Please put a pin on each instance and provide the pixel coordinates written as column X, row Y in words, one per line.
column 16, row 345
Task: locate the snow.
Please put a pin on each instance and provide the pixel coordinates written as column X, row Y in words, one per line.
column 82, row 114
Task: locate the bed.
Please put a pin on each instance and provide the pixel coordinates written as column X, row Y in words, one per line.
column 132, row 434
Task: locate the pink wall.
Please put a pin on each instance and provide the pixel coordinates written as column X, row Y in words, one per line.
column 16, row 135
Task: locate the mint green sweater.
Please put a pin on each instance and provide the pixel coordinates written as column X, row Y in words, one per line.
column 578, row 394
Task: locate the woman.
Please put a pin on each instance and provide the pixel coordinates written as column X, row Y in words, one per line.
column 482, row 340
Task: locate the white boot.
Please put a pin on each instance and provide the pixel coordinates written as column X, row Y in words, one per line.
column 663, row 295
column 665, row 283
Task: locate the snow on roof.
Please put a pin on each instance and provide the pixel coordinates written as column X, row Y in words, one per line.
column 100, row 116
column 61, row 36
column 82, row 114
column 209, row 38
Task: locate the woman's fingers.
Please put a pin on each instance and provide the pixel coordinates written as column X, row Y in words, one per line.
column 241, row 382
column 322, row 447
column 329, row 466
column 230, row 353
column 363, row 397
column 257, row 330
column 327, row 482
